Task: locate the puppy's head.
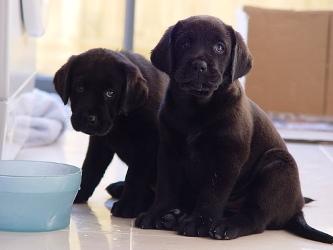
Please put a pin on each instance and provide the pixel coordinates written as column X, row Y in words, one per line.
column 100, row 85
column 200, row 54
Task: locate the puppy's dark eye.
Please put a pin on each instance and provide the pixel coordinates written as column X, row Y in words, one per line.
column 79, row 89
column 109, row 94
column 219, row 48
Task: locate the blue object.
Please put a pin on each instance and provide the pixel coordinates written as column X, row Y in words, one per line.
column 36, row 196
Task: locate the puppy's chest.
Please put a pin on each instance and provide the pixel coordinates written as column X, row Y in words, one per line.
column 202, row 141
column 193, row 140
column 203, row 149
column 195, row 156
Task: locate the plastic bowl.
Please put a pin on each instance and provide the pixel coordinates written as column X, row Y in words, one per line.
column 36, row 196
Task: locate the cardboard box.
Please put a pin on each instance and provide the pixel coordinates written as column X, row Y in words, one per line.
column 292, row 71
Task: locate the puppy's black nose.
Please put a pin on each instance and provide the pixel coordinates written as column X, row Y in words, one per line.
column 92, row 119
column 199, row 66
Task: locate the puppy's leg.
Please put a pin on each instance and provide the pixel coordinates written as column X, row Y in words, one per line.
column 98, row 157
column 170, row 167
column 137, row 195
column 209, row 206
column 221, row 160
column 275, row 197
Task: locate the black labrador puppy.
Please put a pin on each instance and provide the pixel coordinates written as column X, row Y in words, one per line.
column 115, row 98
column 223, row 170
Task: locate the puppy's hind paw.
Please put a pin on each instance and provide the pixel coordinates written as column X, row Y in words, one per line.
column 116, row 189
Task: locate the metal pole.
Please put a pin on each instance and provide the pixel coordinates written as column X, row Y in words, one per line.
column 129, row 25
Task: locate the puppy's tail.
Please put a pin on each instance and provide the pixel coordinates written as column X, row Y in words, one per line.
column 307, row 200
column 297, row 225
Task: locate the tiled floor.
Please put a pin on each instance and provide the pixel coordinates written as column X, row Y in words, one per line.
column 93, row 228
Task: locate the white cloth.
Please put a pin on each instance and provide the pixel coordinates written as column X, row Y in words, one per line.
column 45, row 115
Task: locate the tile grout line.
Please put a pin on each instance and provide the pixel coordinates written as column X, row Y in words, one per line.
column 324, row 151
column 131, row 236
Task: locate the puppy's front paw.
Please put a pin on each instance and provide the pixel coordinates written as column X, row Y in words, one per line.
column 81, row 198
column 224, row 231
column 195, row 225
column 159, row 220
column 128, row 209
column 147, row 220
column 170, row 220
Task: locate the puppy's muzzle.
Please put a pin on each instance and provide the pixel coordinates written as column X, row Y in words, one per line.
column 198, row 77
column 92, row 120
column 199, row 84
column 90, row 124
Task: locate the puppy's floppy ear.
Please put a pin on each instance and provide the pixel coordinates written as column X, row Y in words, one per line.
column 136, row 90
column 61, row 80
column 161, row 55
column 241, row 57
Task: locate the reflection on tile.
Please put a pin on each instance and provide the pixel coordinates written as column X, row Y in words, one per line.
column 97, row 219
column 315, row 170
column 57, row 240
column 98, row 241
column 308, row 155
column 328, row 151
column 94, row 228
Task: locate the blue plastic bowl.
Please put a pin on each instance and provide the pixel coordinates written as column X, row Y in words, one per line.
column 36, row 196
